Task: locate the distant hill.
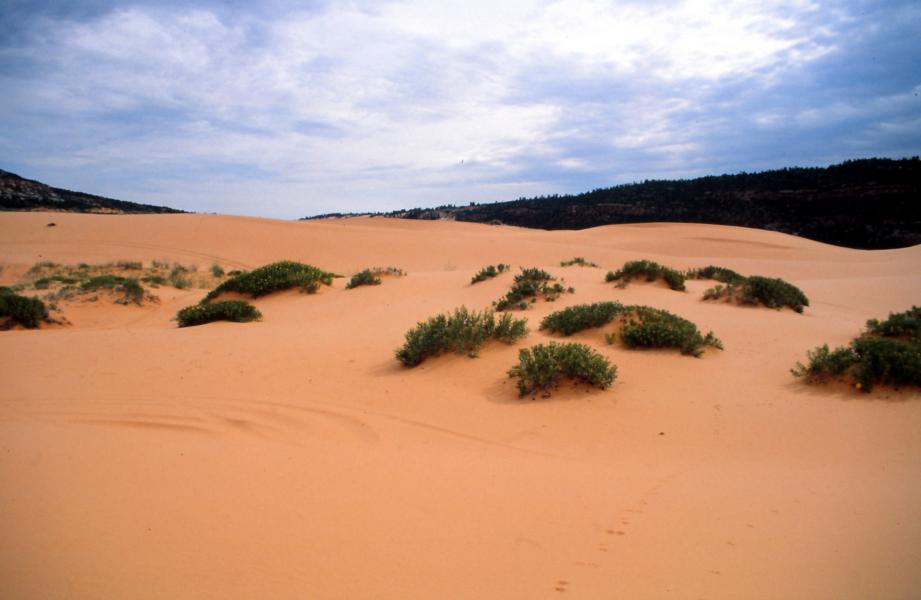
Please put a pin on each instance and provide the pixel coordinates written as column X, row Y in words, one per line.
column 871, row 204
column 17, row 193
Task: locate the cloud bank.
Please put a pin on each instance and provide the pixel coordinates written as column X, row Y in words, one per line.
column 256, row 108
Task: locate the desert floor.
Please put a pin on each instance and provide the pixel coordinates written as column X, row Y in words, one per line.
column 296, row 458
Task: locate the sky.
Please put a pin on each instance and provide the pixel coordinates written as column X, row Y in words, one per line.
column 284, row 109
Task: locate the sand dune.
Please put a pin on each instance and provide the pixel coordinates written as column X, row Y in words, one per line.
column 295, row 458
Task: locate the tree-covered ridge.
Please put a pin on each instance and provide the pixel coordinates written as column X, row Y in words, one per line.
column 17, row 193
column 868, row 203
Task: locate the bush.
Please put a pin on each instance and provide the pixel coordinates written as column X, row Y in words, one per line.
column 238, row 311
column 540, row 367
column 655, row 328
column 129, row 286
column 906, row 325
column 773, row 293
column 721, row 274
column 650, row 271
column 217, row 270
column 489, row 272
column 365, row 277
column 527, row 286
column 582, row 316
column 889, row 353
column 178, row 279
column 463, row 332
column 272, row 278
column 579, row 261
column 28, row 312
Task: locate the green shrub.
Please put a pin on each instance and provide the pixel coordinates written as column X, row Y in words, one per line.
column 582, row 316
column 129, row 265
column 217, row 270
column 656, row 328
column 42, row 266
column 272, row 278
column 527, row 286
column 224, row 310
column 540, row 367
column 825, row 363
column 28, row 312
column 365, row 277
column 773, row 293
column 45, row 282
column 887, row 361
column 579, row 261
column 489, row 272
column 906, row 325
column 154, row 280
column 650, row 271
column 463, row 331
column 721, row 274
column 889, row 353
column 129, row 286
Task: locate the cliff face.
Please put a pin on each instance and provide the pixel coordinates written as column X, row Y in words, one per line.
column 17, row 193
column 871, row 204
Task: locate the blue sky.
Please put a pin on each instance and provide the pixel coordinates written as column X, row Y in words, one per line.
column 288, row 109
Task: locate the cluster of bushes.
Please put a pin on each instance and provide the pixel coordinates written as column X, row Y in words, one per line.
column 488, row 272
column 527, row 286
column 649, row 270
column 888, row 353
column 640, row 326
column 274, row 277
column 131, row 289
column 28, row 312
column 372, row 276
column 755, row 289
column 238, row 311
column 578, row 261
column 462, row 331
column 540, row 367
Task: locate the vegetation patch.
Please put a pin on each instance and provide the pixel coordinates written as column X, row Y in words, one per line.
column 372, row 276
column 640, row 326
column 717, row 274
column 273, row 278
column 648, row 270
column 488, row 272
column 15, row 308
column 582, row 316
column 131, row 289
column 528, row 285
column 889, row 353
column 757, row 290
column 238, row 311
column 577, row 261
column 540, row 367
column 462, row 331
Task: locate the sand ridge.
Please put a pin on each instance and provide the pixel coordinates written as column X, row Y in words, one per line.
column 295, row 457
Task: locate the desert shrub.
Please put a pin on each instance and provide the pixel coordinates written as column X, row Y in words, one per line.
column 527, row 285
column 825, row 363
column 582, row 316
column 217, row 270
column 650, row 271
column 178, row 277
column 28, row 312
column 235, row 272
column 772, row 292
column 272, row 278
column 238, row 311
column 154, row 280
column 648, row 327
column 886, row 361
column 489, row 272
column 578, row 261
column 365, row 277
column 905, row 324
column 462, row 331
column 45, row 282
column 129, row 286
column 129, row 265
column 41, row 266
column 540, row 367
column 721, row 274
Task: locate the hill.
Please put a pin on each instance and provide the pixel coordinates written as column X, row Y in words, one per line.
column 869, row 204
column 18, row 193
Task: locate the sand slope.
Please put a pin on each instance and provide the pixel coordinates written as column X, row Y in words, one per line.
column 295, row 458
